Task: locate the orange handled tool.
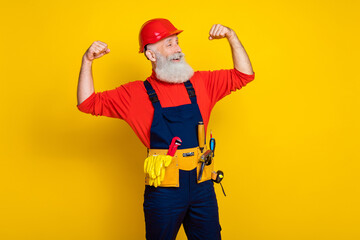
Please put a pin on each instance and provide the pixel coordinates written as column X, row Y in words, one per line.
column 201, row 136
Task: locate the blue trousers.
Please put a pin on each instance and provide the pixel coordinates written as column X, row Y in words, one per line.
column 191, row 204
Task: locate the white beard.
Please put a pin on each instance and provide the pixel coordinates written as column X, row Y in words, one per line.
column 172, row 72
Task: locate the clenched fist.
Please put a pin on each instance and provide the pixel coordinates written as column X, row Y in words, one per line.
column 96, row 50
column 219, row 31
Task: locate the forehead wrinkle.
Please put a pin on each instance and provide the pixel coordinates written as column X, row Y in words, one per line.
column 171, row 38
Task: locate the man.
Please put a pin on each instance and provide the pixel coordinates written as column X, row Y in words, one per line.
column 170, row 103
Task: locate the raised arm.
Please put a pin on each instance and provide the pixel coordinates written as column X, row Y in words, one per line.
column 240, row 58
column 86, row 84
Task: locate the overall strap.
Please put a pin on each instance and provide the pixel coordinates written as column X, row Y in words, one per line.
column 191, row 91
column 152, row 94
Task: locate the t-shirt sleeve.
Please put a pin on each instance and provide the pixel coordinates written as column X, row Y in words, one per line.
column 112, row 103
column 220, row 83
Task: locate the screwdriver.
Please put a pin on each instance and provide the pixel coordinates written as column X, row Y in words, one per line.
column 212, row 144
column 201, row 136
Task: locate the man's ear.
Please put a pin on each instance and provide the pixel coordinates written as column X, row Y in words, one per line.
column 150, row 55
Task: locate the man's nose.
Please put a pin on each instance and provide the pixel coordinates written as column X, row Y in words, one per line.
column 177, row 49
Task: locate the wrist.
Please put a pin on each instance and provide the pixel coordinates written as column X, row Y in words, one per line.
column 231, row 35
column 85, row 60
column 234, row 41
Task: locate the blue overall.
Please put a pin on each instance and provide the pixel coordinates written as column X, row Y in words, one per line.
column 191, row 204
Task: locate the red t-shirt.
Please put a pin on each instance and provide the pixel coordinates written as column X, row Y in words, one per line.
column 131, row 101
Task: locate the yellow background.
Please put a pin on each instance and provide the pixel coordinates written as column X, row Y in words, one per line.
column 288, row 142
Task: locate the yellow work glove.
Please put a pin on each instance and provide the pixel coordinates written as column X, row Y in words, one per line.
column 154, row 166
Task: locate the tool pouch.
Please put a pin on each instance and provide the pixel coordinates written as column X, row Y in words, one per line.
column 184, row 159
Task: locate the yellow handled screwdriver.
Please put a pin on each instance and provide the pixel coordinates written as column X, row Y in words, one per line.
column 201, row 136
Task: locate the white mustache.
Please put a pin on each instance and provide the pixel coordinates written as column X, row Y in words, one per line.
column 176, row 56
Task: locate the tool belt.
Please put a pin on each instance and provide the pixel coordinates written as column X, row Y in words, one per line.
column 184, row 159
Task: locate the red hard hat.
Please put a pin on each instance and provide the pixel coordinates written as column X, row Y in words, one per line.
column 154, row 30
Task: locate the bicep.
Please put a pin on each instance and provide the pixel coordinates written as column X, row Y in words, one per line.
column 111, row 103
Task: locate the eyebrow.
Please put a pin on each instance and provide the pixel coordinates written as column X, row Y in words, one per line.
column 169, row 39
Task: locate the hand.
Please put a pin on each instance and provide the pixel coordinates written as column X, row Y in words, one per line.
column 219, row 31
column 96, row 50
column 154, row 166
